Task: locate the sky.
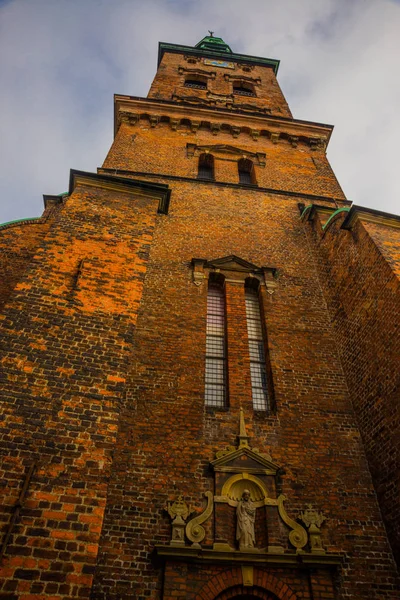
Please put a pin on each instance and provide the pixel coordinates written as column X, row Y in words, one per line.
column 62, row 61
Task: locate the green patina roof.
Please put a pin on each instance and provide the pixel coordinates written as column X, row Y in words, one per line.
column 215, row 44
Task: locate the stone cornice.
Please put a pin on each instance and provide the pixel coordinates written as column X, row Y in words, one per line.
column 231, row 57
column 351, row 216
column 249, row 187
column 22, row 222
column 210, row 555
column 122, row 184
column 361, row 213
column 132, row 109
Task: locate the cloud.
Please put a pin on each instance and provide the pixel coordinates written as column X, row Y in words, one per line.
column 62, row 62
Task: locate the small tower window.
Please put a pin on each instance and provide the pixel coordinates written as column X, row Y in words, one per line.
column 246, row 172
column 243, row 89
column 215, row 380
column 206, row 167
column 258, row 370
column 196, row 82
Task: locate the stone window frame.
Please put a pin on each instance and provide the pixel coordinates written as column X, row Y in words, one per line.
column 232, row 269
column 246, row 171
column 216, row 368
column 234, row 153
column 206, row 159
column 258, row 347
column 202, row 75
column 244, row 81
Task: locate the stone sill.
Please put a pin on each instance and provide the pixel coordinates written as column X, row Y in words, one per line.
column 210, row 555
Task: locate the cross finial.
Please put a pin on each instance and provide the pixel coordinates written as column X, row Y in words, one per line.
column 211, row 33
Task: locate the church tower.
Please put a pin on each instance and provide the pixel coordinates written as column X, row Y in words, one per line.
column 180, row 399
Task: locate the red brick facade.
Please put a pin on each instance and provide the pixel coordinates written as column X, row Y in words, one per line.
column 103, row 356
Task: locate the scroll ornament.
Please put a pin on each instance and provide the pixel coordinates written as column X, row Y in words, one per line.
column 194, row 530
column 298, row 536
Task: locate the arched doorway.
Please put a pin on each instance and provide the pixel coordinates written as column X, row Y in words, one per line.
column 239, row 592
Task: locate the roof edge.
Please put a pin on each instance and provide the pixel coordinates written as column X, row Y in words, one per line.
column 180, row 49
column 160, row 190
column 371, row 215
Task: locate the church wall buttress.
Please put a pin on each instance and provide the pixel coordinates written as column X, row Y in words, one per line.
column 360, row 276
column 66, row 338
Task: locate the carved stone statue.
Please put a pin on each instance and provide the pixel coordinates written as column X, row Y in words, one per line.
column 246, row 516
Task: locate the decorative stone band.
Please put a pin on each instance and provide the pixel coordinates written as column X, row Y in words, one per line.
column 267, row 130
column 277, row 559
column 216, row 149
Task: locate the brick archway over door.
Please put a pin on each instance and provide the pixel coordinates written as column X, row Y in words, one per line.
column 239, row 592
column 228, row 585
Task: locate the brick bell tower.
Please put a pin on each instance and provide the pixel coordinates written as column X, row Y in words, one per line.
column 178, row 416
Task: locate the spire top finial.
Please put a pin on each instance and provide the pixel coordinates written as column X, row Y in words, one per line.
column 211, row 33
column 243, row 437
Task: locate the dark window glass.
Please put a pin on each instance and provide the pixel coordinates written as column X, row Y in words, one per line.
column 243, row 90
column 194, row 83
column 215, row 381
column 258, row 371
column 245, row 169
column 206, row 167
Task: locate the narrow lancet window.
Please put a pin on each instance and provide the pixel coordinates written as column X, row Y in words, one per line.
column 206, row 167
column 215, row 382
column 246, row 171
column 258, row 371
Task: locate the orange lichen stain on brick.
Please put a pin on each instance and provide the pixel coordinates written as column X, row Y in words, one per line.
column 54, row 470
column 116, row 379
column 54, row 514
column 23, row 286
column 38, row 346
column 62, row 535
column 79, row 579
column 65, row 371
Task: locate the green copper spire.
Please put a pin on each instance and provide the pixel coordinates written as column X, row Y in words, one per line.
column 215, row 44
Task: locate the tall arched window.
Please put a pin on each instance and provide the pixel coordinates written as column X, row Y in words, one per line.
column 196, row 81
column 246, row 171
column 257, row 348
column 242, row 88
column 206, row 167
column 215, row 380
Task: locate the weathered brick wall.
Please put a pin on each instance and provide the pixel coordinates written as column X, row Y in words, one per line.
column 117, row 421
column 144, row 149
column 211, row 582
column 18, row 244
column 360, row 274
column 170, row 78
column 66, row 336
column 167, row 437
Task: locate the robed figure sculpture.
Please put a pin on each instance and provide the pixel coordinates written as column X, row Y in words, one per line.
column 246, row 516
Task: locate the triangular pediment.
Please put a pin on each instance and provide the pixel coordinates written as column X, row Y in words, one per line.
column 233, row 263
column 227, row 148
column 244, row 459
